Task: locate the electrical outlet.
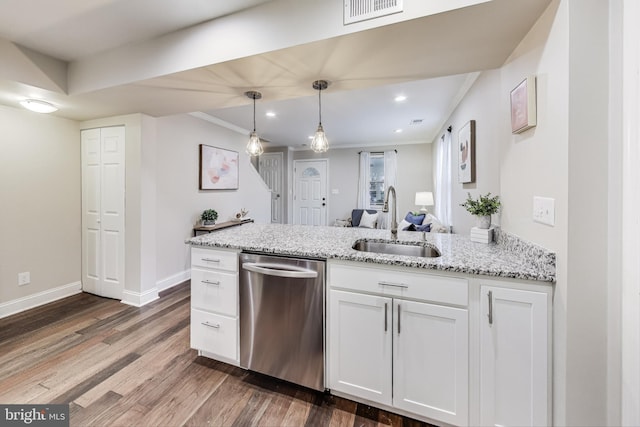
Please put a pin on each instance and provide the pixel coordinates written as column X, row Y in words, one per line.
column 24, row 278
column 544, row 210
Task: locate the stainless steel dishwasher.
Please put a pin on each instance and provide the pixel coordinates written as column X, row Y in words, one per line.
column 282, row 318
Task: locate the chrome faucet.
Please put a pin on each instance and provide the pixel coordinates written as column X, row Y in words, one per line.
column 385, row 208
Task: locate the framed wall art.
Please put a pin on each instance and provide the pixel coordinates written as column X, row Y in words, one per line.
column 467, row 153
column 523, row 105
column 218, row 168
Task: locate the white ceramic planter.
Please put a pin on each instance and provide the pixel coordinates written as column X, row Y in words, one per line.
column 483, row 221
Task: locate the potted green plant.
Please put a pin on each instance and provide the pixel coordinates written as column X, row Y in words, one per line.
column 209, row 217
column 482, row 207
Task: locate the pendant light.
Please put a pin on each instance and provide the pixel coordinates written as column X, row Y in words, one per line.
column 319, row 144
column 254, row 147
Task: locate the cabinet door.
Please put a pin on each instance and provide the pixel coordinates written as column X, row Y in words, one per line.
column 360, row 345
column 514, row 371
column 431, row 359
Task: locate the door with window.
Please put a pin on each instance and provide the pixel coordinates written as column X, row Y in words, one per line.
column 310, row 192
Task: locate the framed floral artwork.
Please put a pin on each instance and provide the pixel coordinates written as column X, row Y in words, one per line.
column 218, row 168
column 467, row 153
column 523, row 105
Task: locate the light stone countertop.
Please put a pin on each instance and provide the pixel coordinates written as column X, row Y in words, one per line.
column 511, row 257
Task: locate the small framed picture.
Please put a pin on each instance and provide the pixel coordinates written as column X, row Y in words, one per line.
column 523, row 105
column 467, row 153
column 218, row 168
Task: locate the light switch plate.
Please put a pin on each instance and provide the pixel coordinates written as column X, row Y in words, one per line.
column 335, row 191
column 544, row 210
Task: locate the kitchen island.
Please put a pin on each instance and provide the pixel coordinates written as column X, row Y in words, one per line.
column 462, row 339
column 509, row 257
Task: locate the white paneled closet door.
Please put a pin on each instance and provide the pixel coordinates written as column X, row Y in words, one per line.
column 103, row 212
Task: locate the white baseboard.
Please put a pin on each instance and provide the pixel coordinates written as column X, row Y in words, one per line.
column 173, row 280
column 41, row 298
column 138, row 299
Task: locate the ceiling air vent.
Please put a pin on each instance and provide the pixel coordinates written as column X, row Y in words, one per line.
column 361, row 10
column 416, row 122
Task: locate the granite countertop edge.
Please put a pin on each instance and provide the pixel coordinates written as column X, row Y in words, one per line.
column 509, row 257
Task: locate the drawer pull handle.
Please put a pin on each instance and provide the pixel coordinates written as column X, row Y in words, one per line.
column 209, row 282
column 216, row 326
column 394, row 285
column 399, row 317
column 211, row 259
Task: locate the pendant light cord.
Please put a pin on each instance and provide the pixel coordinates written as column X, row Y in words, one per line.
column 319, row 107
column 254, row 113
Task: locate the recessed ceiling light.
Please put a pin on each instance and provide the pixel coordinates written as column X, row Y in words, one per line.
column 398, row 131
column 310, row 136
column 270, row 114
column 38, row 106
column 400, row 98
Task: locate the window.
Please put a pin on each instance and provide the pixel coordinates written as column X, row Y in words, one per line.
column 376, row 180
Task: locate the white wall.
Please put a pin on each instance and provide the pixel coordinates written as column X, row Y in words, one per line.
column 564, row 157
column 179, row 203
column 39, row 202
column 415, row 174
column 485, row 92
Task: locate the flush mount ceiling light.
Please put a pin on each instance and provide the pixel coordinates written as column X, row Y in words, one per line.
column 400, row 98
column 38, row 106
column 320, row 143
column 254, row 147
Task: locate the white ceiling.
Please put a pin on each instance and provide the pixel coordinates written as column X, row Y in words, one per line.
column 432, row 60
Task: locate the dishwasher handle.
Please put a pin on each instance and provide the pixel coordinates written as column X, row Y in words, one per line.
column 280, row 270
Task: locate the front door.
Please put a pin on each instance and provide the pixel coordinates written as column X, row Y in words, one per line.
column 310, row 192
column 270, row 168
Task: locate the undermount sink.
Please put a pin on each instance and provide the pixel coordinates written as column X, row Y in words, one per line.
column 397, row 248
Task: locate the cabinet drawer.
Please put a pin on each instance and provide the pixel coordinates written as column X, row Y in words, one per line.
column 396, row 282
column 214, row 258
column 215, row 334
column 214, row 291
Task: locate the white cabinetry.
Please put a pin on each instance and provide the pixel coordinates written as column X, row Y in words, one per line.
column 360, row 345
column 515, row 374
column 214, row 303
column 387, row 349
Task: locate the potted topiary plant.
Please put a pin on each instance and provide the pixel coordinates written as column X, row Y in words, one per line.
column 209, row 217
column 482, row 208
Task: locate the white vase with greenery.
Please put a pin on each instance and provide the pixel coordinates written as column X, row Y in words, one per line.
column 482, row 207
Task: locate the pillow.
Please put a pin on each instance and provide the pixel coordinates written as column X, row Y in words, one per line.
column 436, row 226
column 404, row 225
column 368, row 220
column 415, row 219
column 425, row 227
column 356, row 214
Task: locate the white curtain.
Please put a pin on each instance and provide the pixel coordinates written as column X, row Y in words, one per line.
column 390, row 174
column 443, row 179
column 363, row 181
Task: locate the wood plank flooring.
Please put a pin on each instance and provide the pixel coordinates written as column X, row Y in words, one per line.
column 118, row 365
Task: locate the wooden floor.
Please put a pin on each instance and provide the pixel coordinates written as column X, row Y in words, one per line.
column 118, row 365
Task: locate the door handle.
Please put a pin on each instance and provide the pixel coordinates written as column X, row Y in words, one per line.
column 280, row 270
column 385, row 316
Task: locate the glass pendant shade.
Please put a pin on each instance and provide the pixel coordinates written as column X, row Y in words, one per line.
column 319, row 144
column 254, row 147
